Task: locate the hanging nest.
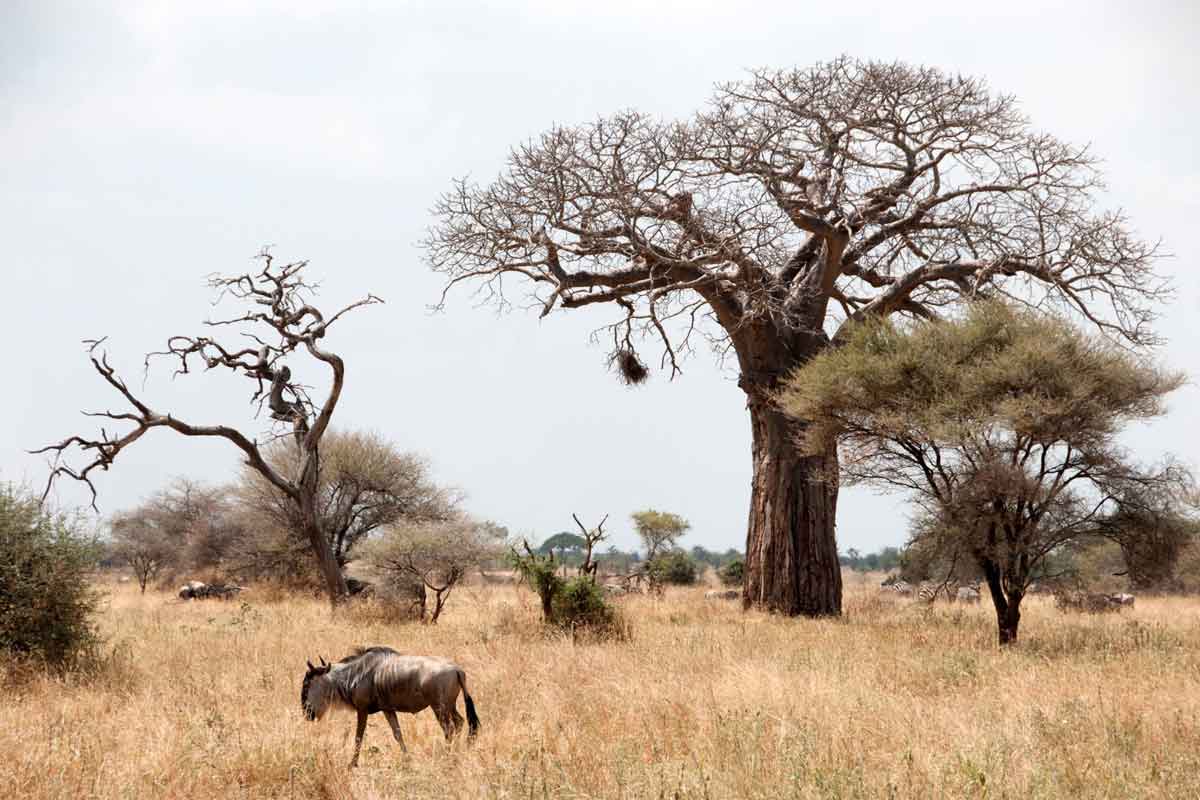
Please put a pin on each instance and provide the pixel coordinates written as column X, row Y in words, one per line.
column 629, row 366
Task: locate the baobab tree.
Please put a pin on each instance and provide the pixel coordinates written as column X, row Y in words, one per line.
column 278, row 309
column 795, row 201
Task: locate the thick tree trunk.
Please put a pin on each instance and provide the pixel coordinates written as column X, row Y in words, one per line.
column 1008, row 622
column 335, row 582
column 791, row 548
column 1008, row 607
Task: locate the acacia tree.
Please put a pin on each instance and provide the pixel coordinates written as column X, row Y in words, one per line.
column 658, row 530
column 796, row 200
column 435, row 554
column 198, row 521
column 279, row 310
column 140, row 542
column 1002, row 427
column 1153, row 526
column 364, row 483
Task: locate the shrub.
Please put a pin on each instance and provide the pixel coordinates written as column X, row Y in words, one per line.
column 579, row 603
column 540, row 573
column 675, row 567
column 46, row 601
column 733, row 573
column 576, row 604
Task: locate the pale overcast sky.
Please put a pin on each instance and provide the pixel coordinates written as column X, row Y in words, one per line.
column 148, row 144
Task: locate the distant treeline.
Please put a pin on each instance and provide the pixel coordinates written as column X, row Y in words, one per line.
column 886, row 559
column 568, row 549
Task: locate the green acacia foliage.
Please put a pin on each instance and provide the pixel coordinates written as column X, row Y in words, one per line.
column 1020, row 375
column 675, row 567
column 659, row 530
column 46, row 601
column 733, row 573
column 1001, row 425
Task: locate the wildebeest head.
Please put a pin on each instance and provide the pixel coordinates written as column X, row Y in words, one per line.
column 316, row 691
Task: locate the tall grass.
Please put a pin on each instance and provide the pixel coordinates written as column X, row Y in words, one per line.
column 703, row 700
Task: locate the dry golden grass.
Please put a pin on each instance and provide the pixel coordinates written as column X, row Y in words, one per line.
column 893, row 700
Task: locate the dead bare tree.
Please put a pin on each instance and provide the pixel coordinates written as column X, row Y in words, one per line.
column 590, row 540
column 278, row 309
column 797, row 200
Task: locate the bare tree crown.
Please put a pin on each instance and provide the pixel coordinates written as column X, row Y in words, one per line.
column 884, row 188
column 280, row 322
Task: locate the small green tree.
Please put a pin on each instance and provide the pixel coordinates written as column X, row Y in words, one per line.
column 659, row 531
column 1002, row 425
column 46, row 600
column 563, row 543
column 673, row 567
column 733, row 573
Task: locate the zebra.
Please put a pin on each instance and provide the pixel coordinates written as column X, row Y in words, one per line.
column 897, row 586
column 930, row 591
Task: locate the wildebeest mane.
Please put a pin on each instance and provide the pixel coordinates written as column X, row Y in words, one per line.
column 359, row 652
column 361, row 664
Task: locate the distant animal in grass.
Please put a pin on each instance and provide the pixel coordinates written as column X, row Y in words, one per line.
column 896, row 586
column 930, row 591
column 195, row 590
column 375, row 679
column 1091, row 602
column 723, row 594
column 967, row 594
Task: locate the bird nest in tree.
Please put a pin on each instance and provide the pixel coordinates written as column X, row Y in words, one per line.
column 630, row 367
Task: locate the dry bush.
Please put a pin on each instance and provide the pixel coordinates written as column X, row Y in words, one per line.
column 707, row 701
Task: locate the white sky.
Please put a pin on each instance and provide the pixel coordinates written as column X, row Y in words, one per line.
column 148, row 144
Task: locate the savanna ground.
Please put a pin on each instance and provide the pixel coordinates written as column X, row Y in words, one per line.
column 893, row 700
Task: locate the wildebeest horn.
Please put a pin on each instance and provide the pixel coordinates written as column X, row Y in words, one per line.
column 323, row 664
column 310, row 666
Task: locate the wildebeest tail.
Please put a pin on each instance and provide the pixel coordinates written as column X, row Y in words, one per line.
column 472, row 717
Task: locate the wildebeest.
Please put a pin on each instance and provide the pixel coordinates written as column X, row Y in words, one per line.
column 195, row 590
column 967, row 594
column 355, row 587
column 726, row 594
column 376, row 679
column 1091, row 602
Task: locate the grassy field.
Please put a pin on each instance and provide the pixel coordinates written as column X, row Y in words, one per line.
column 893, row 700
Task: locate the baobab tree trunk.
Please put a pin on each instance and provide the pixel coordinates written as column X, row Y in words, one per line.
column 791, row 548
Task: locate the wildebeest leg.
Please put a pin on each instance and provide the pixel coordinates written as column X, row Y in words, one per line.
column 395, row 723
column 358, row 736
column 456, row 720
column 443, row 718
